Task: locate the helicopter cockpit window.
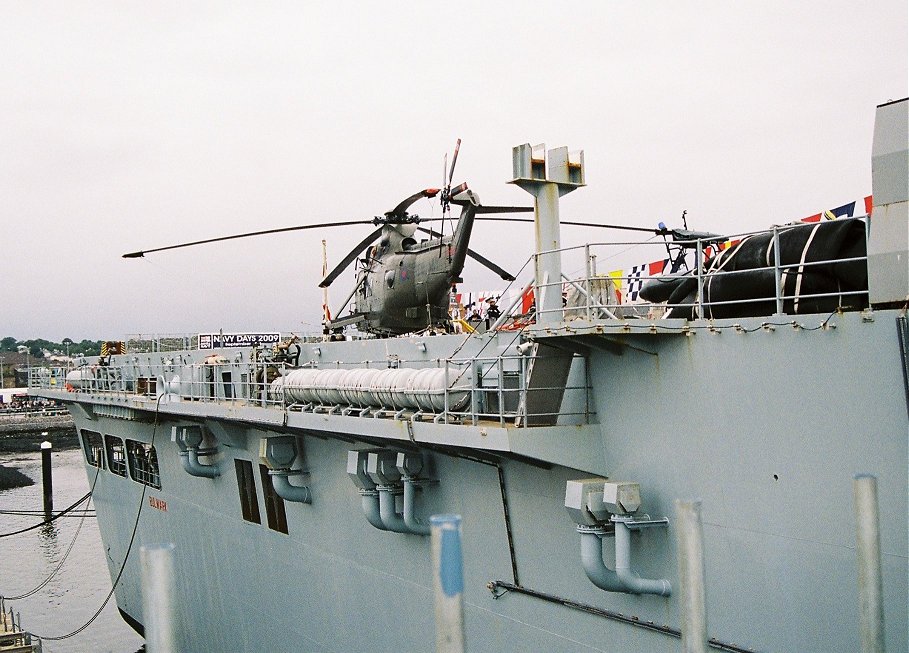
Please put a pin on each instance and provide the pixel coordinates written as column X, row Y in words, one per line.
column 390, row 278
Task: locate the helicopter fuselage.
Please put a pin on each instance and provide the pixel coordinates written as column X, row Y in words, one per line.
column 404, row 285
column 407, row 289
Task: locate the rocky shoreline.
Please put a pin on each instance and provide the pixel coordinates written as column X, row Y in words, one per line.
column 20, row 432
column 25, row 433
column 11, row 477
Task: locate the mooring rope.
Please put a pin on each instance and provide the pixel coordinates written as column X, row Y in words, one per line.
column 59, row 566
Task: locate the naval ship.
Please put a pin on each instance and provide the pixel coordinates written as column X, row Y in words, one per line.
column 295, row 483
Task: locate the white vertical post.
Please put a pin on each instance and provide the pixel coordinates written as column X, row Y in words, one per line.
column 158, row 612
column 692, row 593
column 448, row 582
column 868, row 551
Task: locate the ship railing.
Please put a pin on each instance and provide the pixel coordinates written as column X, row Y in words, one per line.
column 174, row 342
column 591, row 294
column 51, row 378
column 236, row 382
column 479, row 389
column 138, row 343
column 493, row 388
column 499, row 392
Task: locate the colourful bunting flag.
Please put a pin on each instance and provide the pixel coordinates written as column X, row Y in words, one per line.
column 657, row 267
column 635, row 281
column 617, row 282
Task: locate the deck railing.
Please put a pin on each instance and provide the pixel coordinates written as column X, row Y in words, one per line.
column 495, row 388
column 590, row 293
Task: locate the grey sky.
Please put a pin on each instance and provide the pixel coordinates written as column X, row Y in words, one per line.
column 127, row 125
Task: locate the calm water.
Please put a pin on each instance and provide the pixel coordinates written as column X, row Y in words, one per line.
column 78, row 589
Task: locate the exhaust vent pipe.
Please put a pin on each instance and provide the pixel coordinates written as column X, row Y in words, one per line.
column 356, row 469
column 602, row 508
column 279, row 454
column 189, row 439
column 381, row 478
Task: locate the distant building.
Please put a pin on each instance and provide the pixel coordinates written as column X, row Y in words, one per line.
column 21, row 377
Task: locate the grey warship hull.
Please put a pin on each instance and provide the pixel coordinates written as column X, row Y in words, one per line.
column 765, row 419
column 768, row 445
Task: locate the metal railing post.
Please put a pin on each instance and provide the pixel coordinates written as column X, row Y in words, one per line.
column 500, row 364
column 777, row 272
column 588, row 278
column 445, row 405
column 536, row 289
column 699, row 266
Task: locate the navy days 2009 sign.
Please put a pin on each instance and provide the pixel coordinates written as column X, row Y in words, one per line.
column 222, row 340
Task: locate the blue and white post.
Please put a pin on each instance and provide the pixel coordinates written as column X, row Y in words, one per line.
column 448, row 582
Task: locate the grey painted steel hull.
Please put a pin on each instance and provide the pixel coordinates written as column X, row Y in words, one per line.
column 767, row 428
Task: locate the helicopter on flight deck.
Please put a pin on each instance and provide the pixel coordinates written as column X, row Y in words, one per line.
column 402, row 284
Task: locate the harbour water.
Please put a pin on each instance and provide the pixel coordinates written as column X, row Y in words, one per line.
column 80, row 586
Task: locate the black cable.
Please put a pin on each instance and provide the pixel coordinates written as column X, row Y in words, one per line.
column 507, row 515
column 48, row 521
column 89, row 512
column 500, row 588
column 44, row 583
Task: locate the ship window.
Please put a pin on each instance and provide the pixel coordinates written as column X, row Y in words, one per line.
column 143, row 463
column 246, row 482
column 274, row 504
column 116, row 458
column 228, row 386
column 93, row 446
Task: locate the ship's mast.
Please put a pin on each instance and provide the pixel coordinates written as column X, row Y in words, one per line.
column 547, row 175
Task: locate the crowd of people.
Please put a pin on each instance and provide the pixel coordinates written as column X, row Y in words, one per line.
column 491, row 314
column 26, row 404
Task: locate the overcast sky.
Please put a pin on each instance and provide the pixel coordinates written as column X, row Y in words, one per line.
column 132, row 125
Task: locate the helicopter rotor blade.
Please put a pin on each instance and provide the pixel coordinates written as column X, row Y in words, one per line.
column 401, row 209
column 568, row 222
column 354, row 253
column 264, row 232
column 479, row 258
column 348, row 298
column 454, row 161
column 504, row 209
column 457, row 190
